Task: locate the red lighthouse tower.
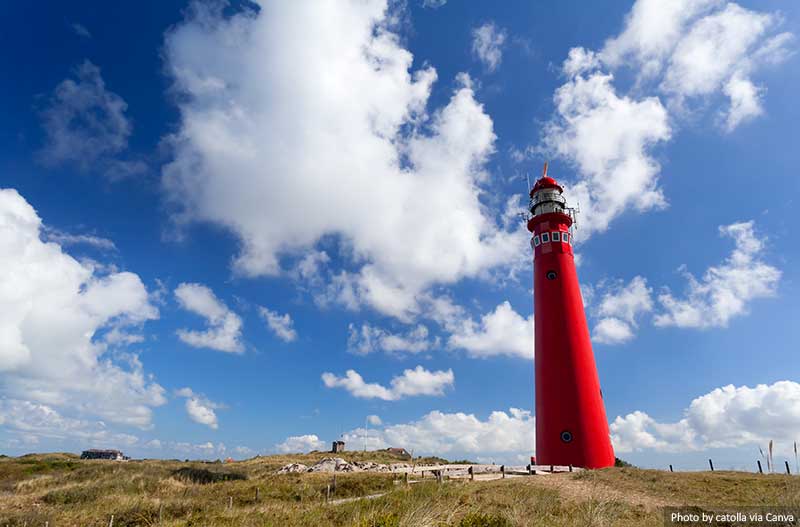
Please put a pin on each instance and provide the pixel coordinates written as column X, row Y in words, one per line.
column 571, row 425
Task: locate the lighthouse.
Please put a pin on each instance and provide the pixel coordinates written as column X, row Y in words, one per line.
column 571, row 425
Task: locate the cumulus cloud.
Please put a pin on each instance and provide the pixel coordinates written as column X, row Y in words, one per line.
column 501, row 332
column 369, row 339
column 487, row 44
column 33, row 421
column 724, row 291
column 609, row 139
column 85, row 125
column 418, row 381
column 300, row 444
column 652, row 30
column 374, row 420
column 51, row 309
column 281, row 325
column 686, row 51
column 277, row 106
column 224, row 326
column 729, row 416
column 619, row 309
column 745, row 102
column 200, row 408
column 507, row 434
column 714, row 48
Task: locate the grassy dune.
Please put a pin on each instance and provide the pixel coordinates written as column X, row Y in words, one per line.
column 65, row 491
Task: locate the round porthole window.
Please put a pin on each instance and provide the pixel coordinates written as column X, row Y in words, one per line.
column 551, row 275
column 566, row 436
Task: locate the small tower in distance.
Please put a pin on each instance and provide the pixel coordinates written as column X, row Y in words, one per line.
column 571, row 424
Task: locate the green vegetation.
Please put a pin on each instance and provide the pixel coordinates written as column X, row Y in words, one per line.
column 63, row 490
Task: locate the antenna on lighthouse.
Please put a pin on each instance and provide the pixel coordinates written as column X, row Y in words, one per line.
column 528, row 177
column 544, row 170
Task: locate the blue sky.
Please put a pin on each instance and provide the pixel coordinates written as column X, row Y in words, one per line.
column 239, row 229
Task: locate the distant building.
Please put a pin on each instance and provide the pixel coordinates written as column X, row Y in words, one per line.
column 94, row 453
column 398, row 451
column 338, row 446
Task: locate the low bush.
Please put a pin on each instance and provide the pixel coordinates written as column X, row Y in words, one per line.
column 203, row 476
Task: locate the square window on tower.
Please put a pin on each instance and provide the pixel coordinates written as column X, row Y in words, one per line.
column 536, row 241
column 545, row 237
column 556, row 236
column 565, row 237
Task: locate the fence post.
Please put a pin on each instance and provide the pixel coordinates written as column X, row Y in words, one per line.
column 334, row 483
column 110, row 522
column 760, row 470
column 160, row 512
column 503, row 471
column 670, row 469
column 570, row 468
column 711, row 464
column 551, row 469
column 328, row 494
column 787, row 467
column 406, row 478
column 471, row 473
column 230, row 502
column 257, row 493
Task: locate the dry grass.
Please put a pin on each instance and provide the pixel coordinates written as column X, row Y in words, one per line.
column 63, row 490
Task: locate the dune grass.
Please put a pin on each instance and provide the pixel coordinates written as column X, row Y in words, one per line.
column 63, row 490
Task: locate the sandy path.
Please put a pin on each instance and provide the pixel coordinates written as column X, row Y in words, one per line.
column 581, row 490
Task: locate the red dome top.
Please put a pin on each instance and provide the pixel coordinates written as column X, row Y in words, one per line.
column 545, row 182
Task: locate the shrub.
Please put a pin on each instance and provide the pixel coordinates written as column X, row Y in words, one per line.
column 621, row 463
column 71, row 495
column 203, row 476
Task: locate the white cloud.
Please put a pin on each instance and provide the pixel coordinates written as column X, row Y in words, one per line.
column 84, row 122
column 714, row 48
column 204, row 449
column 619, row 309
column 501, row 332
column 281, row 325
column 745, row 102
column 725, row 417
column 608, row 137
column 51, row 308
column 65, row 239
column 439, row 433
column 224, row 326
column 278, row 106
column 725, row 290
column 32, row 421
column 369, row 339
column 200, row 408
column 434, row 4
column 652, row 29
column 612, row 331
column 300, row 444
column 418, row 381
column 374, row 420
column 685, row 50
column 487, row 44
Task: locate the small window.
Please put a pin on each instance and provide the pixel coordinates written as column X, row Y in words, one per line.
column 556, row 236
column 545, row 237
column 536, row 241
column 565, row 237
